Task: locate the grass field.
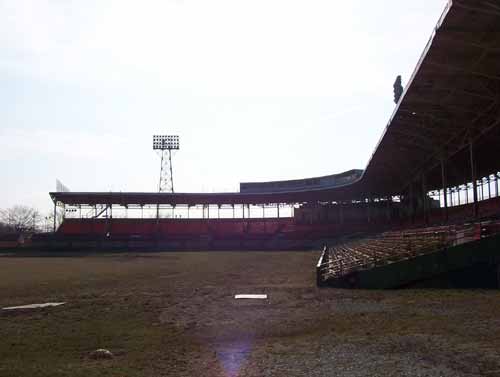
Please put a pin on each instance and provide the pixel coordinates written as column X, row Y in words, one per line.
column 173, row 314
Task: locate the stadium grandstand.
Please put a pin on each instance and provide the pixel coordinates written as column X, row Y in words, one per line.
column 431, row 183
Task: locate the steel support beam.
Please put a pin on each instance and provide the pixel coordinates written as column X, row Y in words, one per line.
column 424, row 198
column 473, row 177
column 445, row 197
column 55, row 215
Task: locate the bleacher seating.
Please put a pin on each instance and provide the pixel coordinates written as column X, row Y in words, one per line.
column 175, row 228
column 393, row 246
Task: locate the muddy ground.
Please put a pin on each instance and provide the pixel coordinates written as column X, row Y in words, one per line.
column 173, row 314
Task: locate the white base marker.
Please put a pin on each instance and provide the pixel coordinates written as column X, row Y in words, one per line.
column 257, row 297
column 34, row 306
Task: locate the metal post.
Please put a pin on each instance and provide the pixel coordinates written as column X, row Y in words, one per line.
column 474, row 182
column 55, row 214
column 263, row 211
column 218, row 211
column 410, row 197
column 233, row 210
column 443, row 179
column 368, row 214
column 278, row 209
column 496, row 185
column 424, row 198
column 208, row 211
column 458, row 195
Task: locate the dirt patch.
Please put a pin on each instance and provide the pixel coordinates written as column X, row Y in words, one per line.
column 174, row 314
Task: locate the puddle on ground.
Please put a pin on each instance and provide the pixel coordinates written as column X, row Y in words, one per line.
column 34, row 306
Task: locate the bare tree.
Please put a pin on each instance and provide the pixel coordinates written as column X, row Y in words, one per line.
column 47, row 221
column 4, row 228
column 20, row 218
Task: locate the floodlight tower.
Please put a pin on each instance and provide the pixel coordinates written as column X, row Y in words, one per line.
column 165, row 144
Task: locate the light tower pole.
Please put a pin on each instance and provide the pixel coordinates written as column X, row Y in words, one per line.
column 165, row 144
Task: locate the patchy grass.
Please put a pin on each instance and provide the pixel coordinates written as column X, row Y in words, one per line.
column 173, row 314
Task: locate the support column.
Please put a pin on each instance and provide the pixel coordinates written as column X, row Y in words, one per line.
column 278, row 209
column 496, row 185
column 368, row 214
column 474, row 181
column 424, row 198
column 410, row 204
column 55, row 215
column 445, row 196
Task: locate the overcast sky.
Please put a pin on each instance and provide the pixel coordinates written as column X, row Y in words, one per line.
column 257, row 90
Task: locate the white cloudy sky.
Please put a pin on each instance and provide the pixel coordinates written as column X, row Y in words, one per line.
column 257, row 90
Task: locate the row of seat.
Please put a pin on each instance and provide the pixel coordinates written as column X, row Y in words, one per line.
column 285, row 228
column 223, row 228
column 367, row 252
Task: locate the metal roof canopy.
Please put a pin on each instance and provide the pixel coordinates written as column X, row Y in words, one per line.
column 451, row 99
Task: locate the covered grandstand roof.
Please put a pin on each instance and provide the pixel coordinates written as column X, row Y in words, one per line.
column 451, row 99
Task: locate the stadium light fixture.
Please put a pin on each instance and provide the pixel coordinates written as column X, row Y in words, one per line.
column 165, row 142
